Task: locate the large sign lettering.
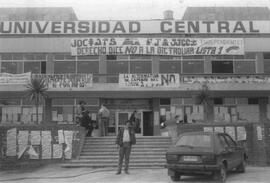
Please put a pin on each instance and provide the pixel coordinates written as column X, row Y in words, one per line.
column 157, row 46
column 134, row 27
column 148, row 80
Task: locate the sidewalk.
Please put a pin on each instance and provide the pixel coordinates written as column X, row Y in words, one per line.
column 56, row 174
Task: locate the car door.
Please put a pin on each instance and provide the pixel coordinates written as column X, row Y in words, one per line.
column 237, row 152
column 227, row 152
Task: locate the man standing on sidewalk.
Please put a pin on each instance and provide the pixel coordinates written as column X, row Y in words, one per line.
column 125, row 139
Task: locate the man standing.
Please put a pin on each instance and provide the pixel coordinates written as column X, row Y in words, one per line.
column 104, row 115
column 125, row 139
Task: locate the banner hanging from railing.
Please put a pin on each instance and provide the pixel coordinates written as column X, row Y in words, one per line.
column 157, row 46
column 7, row 78
column 66, row 80
column 148, row 80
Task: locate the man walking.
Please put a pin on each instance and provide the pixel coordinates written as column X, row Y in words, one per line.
column 125, row 139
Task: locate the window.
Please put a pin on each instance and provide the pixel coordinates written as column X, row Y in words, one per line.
column 140, row 67
column 140, row 57
column 33, row 67
column 87, row 67
column 193, row 67
column 64, row 67
column 222, row 140
column 267, row 66
column 111, row 57
column 266, row 55
column 18, row 56
column 194, row 141
column 218, row 101
column 165, row 101
column 88, row 57
column 222, row 66
column 59, row 57
column 10, row 67
column 170, row 67
column 29, row 57
column 253, row 101
column 6, row 56
column 230, row 141
column 117, row 67
column 43, row 67
column 245, row 67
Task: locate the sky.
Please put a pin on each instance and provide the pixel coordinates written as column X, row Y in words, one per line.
column 129, row 9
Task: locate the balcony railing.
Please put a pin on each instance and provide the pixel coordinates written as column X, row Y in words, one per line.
column 86, row 80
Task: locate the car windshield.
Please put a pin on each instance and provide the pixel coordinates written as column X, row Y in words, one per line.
column 194, row 141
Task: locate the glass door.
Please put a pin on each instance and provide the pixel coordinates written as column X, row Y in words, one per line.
column 123, row 116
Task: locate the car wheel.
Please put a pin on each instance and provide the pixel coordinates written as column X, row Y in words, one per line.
column 176, row 177
column 242, row 167
column 221, row 174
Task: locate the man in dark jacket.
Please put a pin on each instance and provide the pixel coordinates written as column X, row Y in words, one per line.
column 125, row 139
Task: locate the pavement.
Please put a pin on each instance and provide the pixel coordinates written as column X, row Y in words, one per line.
column 55, row 174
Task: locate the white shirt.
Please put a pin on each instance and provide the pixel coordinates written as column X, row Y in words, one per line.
column 126, row 137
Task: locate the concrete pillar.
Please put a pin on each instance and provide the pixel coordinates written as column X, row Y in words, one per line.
column 155, row 64
column 47, row 116
column 50, row 64
column 207, row 65
column 156, row 116
column 259, row 63
column 102, row 68
column 263, row 110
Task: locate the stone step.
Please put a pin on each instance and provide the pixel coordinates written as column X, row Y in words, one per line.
column 133, row 147
column 137, row 143
column 116, row 156
column 106, row 165
column 112, row 161
column 115, row 149
column 163, row 153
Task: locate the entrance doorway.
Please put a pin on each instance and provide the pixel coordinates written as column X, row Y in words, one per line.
column 144, row 117
column 148, row 123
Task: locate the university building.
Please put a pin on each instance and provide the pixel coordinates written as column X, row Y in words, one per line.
column 157, row 67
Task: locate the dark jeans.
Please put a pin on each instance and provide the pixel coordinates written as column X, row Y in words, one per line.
column 124, row 151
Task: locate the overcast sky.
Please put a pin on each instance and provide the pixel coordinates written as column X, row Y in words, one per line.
column 128, row 9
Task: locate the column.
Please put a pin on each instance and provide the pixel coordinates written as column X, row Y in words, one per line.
column 156, row 116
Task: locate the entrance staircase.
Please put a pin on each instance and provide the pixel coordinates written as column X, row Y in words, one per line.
column 101, row 152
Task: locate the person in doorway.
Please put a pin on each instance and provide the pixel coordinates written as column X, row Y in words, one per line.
column 79, row 112
column 125, row 139
column 103, row 115
column 134, row 120
column 172, row 127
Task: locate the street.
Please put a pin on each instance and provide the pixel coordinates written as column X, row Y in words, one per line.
column 56, row 174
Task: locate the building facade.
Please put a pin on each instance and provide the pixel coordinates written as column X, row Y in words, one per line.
column 157, row 67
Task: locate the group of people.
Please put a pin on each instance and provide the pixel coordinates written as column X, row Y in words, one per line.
column 125, row 137
column 84, row 119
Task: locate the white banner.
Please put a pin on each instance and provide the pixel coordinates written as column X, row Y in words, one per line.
column 148, row 80
column 6, row 78
column 66, row 80
column 156, row 46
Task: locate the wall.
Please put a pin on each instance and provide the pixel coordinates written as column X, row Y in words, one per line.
column 32, row 145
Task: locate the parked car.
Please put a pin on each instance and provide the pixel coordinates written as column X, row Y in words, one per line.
column 205, row 153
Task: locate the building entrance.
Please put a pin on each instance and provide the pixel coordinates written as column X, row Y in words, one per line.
column 123, row 116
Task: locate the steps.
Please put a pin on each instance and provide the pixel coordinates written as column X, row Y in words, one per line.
column 148, row 152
